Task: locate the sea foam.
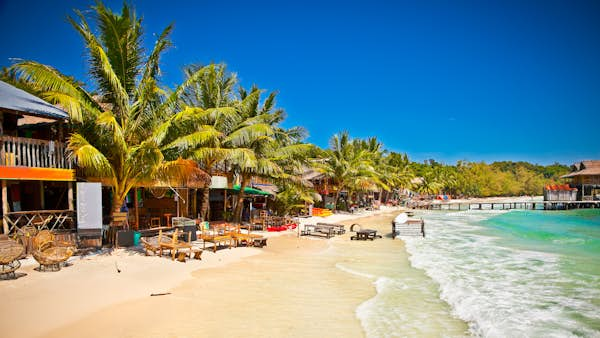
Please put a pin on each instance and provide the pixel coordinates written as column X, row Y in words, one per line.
column 500, row 290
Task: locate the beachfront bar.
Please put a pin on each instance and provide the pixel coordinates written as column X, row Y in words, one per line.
column 35, row 173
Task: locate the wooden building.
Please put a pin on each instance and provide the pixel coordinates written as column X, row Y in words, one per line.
column 560, row 192
column 35, row 173
column 586, row 178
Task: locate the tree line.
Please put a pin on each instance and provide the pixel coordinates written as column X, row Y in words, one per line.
column 128, row 128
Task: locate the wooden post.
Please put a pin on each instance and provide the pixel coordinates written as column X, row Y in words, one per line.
column 42, row 201
column 225, row 201
column 135, row 205
column 5, row 208
column 70, row 195
column 194, row 203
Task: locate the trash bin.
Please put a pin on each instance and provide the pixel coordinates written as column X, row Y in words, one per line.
column 136, row 238
column 192, row 230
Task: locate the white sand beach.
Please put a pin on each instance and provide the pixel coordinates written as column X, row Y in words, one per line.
column 282, row 289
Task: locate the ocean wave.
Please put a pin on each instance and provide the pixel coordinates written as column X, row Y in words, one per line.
column 501, row 290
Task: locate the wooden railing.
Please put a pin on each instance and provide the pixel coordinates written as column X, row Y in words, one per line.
column 28, row 152
column 41, row 219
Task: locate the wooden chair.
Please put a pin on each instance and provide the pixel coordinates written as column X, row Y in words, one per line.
column 217, row 235
column 120, row 219
column 155, row 222
column 175, row 244
column 249, row 239
column 261, row 220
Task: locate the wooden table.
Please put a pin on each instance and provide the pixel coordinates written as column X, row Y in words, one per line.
column 363, row 235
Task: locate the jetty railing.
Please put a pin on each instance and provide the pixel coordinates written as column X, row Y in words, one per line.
column 508, row 205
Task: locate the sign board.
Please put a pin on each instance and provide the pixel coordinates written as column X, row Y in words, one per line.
column 89, row 205
column 218, row 182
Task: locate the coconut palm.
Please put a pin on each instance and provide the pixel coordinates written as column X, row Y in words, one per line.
column 350, row 164
column 277, row 151
column 214, row 91
column 126, row 131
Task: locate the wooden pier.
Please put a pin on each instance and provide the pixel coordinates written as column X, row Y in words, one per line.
column 508, row 205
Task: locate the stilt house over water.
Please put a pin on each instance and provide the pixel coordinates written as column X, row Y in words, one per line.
column 586, row 178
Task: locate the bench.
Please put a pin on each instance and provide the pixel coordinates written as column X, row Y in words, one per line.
column 259, row 242
column 363, row 235
column 339, row 229
column 318, row 230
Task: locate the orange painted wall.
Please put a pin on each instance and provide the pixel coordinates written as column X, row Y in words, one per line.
column 38, row 174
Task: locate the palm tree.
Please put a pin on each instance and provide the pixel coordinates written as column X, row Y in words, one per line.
column 396, row 171
column 212, row 92
column 273, row 147
column 430, row 183
column 127, row 131
column 350, row 164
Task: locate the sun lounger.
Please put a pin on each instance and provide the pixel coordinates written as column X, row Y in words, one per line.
column 339, row 229
column 318, row 230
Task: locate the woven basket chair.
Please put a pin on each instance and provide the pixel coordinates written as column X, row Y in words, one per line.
column 49, row 253
column 10, row 251
column 25, row 236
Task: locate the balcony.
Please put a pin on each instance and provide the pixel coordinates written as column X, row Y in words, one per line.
column 33, row 153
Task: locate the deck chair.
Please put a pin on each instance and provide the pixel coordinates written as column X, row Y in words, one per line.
column 250, row 239
column 174, row 245
column 217, row 235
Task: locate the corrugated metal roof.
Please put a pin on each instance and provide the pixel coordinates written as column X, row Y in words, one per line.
column 15, row 99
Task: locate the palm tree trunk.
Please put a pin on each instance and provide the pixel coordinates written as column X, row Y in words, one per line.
column 337, row 197
column 205, row 207
column 118, row 199
column 239, row 208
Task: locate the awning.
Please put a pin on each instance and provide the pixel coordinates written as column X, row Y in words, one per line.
column 250, row 191
column 17, row 100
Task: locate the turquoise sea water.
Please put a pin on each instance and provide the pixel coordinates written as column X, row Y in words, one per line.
column 515, row 273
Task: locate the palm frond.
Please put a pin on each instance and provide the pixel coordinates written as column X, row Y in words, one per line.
column 48, row 80
column 88, row 157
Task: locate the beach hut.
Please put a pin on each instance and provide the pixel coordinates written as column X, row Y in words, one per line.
column 585, row 176
column 35, row 173
column 154, row 203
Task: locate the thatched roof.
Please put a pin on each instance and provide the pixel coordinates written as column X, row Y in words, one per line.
column 584, row 168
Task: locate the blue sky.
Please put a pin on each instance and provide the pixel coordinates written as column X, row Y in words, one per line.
column 449, row 80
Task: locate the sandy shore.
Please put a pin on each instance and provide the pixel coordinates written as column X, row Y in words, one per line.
column 288, row 288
